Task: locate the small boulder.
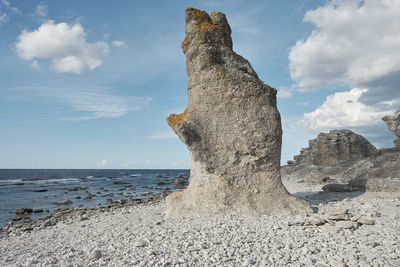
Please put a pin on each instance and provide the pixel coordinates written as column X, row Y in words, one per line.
column 347, row 225
column 95, row 254
column 366, row 221
column 139, row 244
column 23, row 211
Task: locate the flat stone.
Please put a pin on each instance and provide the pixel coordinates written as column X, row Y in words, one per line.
column 139, row 244
column 347, row 225
column 23, row 211
column 338, row 217
column 366, row 221
column 339, row 211
column 330, row 229
column 296, row 223
column 95, row 254
column 316, row 221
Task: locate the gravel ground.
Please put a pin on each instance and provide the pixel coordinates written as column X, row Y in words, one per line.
column 354, row 229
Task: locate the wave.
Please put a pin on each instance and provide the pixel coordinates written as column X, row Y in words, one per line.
column 42, row 181
column 134, row 175
column 16, row 181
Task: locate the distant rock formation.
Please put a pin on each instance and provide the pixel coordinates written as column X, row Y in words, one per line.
column 231, row 127
column 337, row 146
column 346, row 161
column 393, row 122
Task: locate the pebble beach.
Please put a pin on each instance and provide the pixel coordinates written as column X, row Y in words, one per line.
column 348, row 229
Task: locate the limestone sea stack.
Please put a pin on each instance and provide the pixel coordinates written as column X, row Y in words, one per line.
column 231, row 127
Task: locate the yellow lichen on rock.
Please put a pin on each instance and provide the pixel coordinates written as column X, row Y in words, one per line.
column 187, row 63
column 200, row 15
column 204, row 27
column 176, row 119
column 185, row 44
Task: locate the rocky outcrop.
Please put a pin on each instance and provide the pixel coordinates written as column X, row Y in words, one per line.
column 393, row 123
column 337, row 146
column 346, row 161
column 231, row 127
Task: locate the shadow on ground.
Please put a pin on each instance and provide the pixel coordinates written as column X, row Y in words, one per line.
column 334, row 192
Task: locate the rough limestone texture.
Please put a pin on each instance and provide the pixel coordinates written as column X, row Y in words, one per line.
column 337, row 146
column 393, row 122
column 231, row 127
column 345, row 161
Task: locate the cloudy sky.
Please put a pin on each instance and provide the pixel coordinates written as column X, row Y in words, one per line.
column 89, row 84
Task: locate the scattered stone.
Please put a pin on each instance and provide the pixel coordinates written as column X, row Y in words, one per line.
column 330, row 229
column 315, row 221
column 298, row 222
column 23, row 211
column 40, row 190
column 121, row 182
column 37, row 210
column 372, row 244
column 339, row 211
column 95, row 254
column 73, row 189
column 347, row 225
column 139, row 244
column 366, row 221
column 66, row 202
column 26, row 228
column 376, row 214
column 338, row 217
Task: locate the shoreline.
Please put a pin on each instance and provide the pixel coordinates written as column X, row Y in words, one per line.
column 348, row 230
column 64, row 214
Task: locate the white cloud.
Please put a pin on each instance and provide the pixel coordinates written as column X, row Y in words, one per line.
column 41, row 10
column 35, row 64
column 284, row 92
column 94, row 103
column 3, row 18
column 344, row 110
column 100, row 104
column 165, row 135
column 6, row 4
column 303, row 104
column 119, row 44
column 64, row 44
column 104, row 163
column 355, row 42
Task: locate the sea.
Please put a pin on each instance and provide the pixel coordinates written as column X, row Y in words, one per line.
column 46, row 189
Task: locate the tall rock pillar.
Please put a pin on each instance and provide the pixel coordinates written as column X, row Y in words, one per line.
column 231, row 127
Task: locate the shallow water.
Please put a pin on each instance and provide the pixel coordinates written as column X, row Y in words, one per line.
column 39, row 188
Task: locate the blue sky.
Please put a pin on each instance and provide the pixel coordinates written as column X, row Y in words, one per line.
column 89, row 84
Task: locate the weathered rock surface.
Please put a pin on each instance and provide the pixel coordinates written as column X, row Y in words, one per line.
column 393, row 122
column 337, row 146
column 231, row 127
column 361, row 167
